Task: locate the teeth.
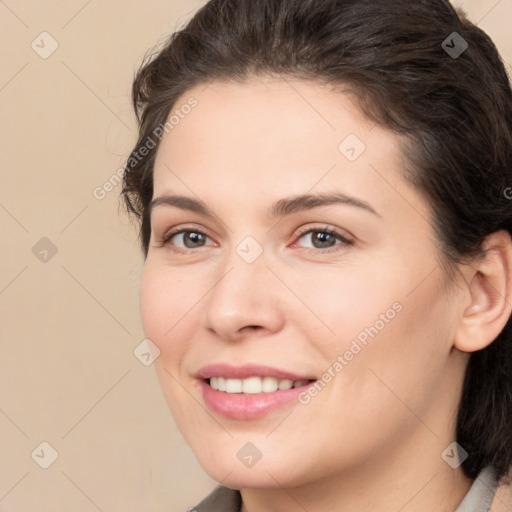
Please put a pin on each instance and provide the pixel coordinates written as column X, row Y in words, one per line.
column 269, row 384
column 254, row 385
column 285, row 384
column 234, row 385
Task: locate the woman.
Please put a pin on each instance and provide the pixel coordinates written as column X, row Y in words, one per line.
column 323, row 189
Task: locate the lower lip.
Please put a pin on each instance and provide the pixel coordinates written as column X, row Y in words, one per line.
column 247, row 406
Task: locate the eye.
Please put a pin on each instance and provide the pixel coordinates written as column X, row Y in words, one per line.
column 324, row 238
column 184, row 239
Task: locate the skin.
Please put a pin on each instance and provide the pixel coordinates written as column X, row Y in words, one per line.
column 503, row 499
column 372, row 438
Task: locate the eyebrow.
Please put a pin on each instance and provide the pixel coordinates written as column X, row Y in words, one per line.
column 280, row 208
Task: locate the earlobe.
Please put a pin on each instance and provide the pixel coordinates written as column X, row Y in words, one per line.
column 490, row 295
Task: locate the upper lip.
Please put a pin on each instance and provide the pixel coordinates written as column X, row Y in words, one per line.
column 248, row 370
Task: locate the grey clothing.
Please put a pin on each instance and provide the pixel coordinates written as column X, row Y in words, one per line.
column 481, row 494
column 478, row 499
column 221, row 499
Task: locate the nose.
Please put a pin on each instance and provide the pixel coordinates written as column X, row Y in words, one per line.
column 245, row 300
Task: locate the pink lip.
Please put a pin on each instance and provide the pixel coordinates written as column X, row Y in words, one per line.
column 247, row 370
column 241, row 406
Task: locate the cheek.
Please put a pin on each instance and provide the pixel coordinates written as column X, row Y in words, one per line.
column 155, row 303
column 166, row 303
column 345, row 301
column 378, row 324
column 403, row 362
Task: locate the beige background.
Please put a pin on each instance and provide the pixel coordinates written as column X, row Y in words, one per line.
column 69, row 325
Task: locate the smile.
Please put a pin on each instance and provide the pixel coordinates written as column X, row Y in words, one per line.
column 254, row 385
column 249, row 391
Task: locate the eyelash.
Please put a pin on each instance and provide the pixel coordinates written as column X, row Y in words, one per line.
column 330, row 231
column 345, row 242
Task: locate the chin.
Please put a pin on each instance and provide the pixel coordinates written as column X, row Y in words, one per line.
column 259, row 476
column 230, row 464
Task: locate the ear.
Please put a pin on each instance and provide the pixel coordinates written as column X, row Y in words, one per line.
column 489, row 305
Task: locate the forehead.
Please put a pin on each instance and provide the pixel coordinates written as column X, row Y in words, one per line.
column 270, row 138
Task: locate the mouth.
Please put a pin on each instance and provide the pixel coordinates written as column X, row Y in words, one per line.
column 249, row 391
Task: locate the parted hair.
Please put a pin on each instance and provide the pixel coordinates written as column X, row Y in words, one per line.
column 417, row 67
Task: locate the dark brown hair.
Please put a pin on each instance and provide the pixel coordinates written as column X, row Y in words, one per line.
column 410, row 73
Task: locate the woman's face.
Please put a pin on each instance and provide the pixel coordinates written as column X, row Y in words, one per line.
column 342, row 299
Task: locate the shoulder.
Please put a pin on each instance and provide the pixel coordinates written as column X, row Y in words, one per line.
column 221, row 499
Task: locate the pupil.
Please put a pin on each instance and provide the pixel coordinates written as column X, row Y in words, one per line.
column 193, row 237
column 322, row 238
